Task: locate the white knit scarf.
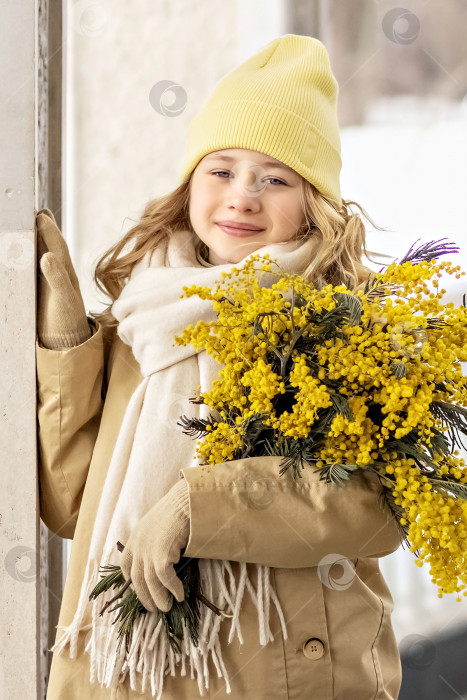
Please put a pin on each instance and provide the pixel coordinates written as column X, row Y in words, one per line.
column 149, row 453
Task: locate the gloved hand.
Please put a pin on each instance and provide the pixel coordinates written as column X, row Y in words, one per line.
column 61, row 316
column 154, row 546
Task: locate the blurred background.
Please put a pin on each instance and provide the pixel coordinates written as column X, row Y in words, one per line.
column 134, row 75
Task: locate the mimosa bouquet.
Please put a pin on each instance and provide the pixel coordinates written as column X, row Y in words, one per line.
column 339, row 380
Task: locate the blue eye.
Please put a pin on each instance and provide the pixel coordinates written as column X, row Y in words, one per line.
column 220, row 172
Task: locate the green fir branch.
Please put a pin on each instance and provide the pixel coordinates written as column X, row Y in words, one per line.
column 429, row 251
column 340, row 405
column 113, row 579
column 418, row 448
column 292, row 450
column 439, row 444
column 371, row 281
column 379, row 290
column 452, row 416
column 337, row 473
column 351, row 306
column 129, row 608
column 453, row 488
column 441, row 387
column 196, row 427
column 398, row 369
column 435, row 323
column 328, row 324
column 387, row 500
column 251, row 428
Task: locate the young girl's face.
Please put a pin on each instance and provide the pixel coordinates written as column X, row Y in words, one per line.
column 238, row 185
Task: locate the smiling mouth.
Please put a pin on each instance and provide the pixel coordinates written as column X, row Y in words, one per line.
column 239, row 232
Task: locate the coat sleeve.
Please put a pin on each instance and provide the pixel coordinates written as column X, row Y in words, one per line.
column 70, row 398
column 244, row 510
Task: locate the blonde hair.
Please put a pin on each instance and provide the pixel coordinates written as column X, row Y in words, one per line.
column 341, row 232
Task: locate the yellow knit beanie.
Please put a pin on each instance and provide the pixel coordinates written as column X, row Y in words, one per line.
column 281, row 102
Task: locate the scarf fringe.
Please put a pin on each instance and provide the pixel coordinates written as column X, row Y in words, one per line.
column 150, row 657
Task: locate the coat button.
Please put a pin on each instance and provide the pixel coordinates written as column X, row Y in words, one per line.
column 313, row 648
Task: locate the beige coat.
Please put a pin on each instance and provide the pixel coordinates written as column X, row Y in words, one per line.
column 341, row 642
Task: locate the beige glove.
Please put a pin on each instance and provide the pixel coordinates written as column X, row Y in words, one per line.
column 61, row 316
column 154, row 547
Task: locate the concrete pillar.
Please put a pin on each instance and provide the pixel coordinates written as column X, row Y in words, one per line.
column 31, row 576
column 19, row 531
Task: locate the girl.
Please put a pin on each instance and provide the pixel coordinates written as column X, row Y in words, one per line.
column 260, row 173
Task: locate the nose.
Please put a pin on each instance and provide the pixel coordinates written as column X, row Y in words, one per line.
column 245, row 191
